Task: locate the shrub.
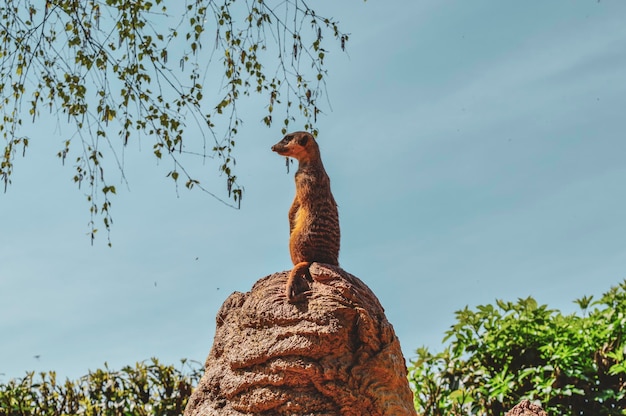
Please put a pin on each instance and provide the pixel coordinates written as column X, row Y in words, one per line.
column 145, row 389
column 499, row 354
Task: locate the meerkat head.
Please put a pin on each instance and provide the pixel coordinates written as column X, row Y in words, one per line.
column 300, row 145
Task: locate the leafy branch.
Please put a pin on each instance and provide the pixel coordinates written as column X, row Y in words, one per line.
column 121, row 70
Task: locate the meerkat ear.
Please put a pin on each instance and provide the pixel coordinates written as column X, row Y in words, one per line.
column 303, row 140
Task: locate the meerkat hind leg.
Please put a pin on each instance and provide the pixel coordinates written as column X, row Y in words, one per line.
column 297, row 283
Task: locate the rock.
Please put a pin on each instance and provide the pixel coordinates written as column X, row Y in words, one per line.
column 526, row 408
column 333, row 354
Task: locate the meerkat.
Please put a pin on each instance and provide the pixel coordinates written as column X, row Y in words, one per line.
column 313, row 218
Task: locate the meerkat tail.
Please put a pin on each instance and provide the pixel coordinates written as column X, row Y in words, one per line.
column 297, row 285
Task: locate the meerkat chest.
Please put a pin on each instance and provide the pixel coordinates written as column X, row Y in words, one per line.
column 300, row 220
column 305, row 206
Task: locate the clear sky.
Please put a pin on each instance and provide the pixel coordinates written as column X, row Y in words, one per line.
column 476, row 150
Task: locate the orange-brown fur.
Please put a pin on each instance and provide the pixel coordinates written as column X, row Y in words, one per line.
column 313, row 218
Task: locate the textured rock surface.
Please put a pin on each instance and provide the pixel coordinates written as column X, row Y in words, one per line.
column 526, row 408
column 333, row 354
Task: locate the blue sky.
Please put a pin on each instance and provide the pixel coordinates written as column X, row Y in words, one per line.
column 476, row 151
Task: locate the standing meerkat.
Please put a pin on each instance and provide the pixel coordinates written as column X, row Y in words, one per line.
column 313, row 217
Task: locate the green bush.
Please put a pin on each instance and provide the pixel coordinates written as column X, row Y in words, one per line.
column 499, row 354
column 146, row 389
